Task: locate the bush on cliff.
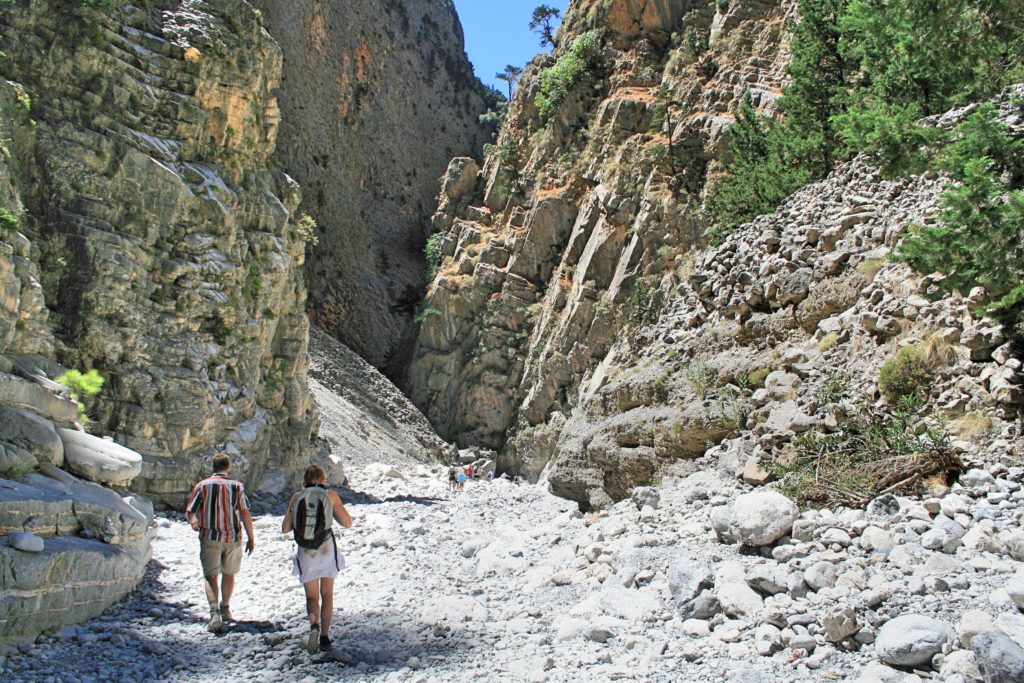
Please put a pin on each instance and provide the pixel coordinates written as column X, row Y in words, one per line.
column 558, row 80
column 904, row 374
column 81, row 386
column 863, row 74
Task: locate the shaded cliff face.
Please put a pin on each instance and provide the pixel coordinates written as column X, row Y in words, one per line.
column 168, row 257
column 571, row 216
column 377, row 96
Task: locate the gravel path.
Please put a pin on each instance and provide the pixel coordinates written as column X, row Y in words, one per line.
column 508, row 583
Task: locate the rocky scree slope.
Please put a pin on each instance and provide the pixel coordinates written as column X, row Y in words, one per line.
column 167, row 251
column 376, row 97
column 542, row 246
column 578, row 323
column 69, row 545
column 364, row 418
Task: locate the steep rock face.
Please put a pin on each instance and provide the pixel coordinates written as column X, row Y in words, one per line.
column 364, row 417
column 168, row 257
column 569, row 217
column 377, row 96
column 579, row 324
column 92, row 545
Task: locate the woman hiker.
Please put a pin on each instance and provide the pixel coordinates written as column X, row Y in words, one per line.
column 317, row 562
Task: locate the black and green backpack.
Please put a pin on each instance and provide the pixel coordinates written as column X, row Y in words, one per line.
column 312, row 516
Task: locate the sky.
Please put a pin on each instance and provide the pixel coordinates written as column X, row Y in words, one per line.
column 498, row 33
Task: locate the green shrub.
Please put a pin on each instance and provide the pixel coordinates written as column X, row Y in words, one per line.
column 701, row 378
column 981, row 227
column 904, row 374
column 427, row 313
column 7, row 219
column 82, row 386
column 432, row 252
column 558, row 80
column 757, row 377
column 872, row 452
column 642, row 304
column 862, row 75
column 305, row 228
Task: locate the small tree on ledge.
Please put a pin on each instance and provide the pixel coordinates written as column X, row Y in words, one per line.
column 511, row 76
column 542, row 22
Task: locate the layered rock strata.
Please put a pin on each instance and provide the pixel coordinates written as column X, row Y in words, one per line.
column 377, row 96
column 69, row 548
column 578, row 322
column 545, row 245
column 169, row 257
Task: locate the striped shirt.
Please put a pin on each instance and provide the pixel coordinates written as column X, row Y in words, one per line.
column 216, row 502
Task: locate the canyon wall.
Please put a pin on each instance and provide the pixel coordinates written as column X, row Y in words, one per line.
column 580, row 323
column 169, row 258
column 544, row 247
column 376, row 97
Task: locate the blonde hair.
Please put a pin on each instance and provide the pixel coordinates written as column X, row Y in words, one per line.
column 314, row 475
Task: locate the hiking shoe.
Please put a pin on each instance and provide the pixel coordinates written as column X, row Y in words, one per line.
column 314, row 635
column 216, row 623
column 325, row 643
column 225, row 614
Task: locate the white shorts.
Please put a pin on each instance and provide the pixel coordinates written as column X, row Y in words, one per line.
column 323, row 563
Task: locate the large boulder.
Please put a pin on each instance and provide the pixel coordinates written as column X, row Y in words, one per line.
column 55, row 502
column 99, row 460
column 912, row 640
column 26, row 542
column 999, row 658
column 32, row 433
column 762, row 517
column 687, row 579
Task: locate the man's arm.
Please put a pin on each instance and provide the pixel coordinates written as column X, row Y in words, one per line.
column 243, row 512
column 190, row 508
column 247, row 521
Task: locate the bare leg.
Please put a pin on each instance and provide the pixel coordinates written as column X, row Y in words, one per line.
column 227, row 587
column 212, row 592
column 326, row 604
column 312, row 601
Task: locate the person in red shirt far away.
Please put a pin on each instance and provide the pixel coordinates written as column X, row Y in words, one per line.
column 217, row 509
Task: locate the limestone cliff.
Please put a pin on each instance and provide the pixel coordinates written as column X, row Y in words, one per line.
column 168, row 257
column 542, row 255
column 376, row 97
column 70, row 548
column 578, row 320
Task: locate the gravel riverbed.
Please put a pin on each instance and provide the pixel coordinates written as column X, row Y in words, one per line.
column 507, row 582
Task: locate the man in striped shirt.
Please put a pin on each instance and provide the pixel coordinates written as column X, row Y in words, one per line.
column 217, row 509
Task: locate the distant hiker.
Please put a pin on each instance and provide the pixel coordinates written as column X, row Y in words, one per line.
column 317, row 562
column 460, row 476
column 452, row 483
column 469, row 471
column 217, row 509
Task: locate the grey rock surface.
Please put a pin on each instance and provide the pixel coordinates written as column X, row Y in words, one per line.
column 100, row 460
column 912, row 640
column 1000, row 659
column 762, row 517
column 376, row 97
column 26, row 542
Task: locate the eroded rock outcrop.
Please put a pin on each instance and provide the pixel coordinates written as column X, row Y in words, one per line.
column 377, row 96
column 167, row 253
column 569, row 214
column 580, row 324
column 69, row 548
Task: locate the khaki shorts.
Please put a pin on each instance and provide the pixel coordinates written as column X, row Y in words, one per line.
column 218, row 557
